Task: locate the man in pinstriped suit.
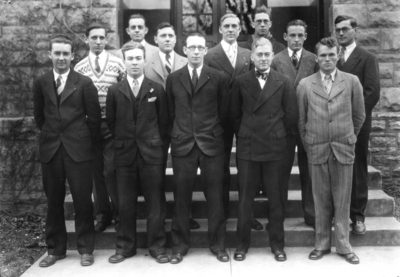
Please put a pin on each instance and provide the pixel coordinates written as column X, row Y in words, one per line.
column 331, row 113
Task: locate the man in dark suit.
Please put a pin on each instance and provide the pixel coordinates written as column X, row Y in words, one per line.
column 67, row 113
column 297, row 63
column 233, row 61
column 263, row 109
column 331, row 113
column 262, row 24
column 198, row 105
column 137, row 115
column 358, row 61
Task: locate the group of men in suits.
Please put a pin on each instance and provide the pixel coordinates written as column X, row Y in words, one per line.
column 272, row 99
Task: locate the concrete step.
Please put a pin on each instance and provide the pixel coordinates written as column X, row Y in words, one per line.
column 379, row 205
column 381, row 231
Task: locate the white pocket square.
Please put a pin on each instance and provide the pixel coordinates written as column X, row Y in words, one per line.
column 152, row 99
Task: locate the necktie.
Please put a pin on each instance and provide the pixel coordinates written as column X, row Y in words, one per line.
column 341, row 55
column 295, row 61
column 195, row 78
column 97, row 65
column 135, row 87
column 328, row 83
column 168, row 66
column 231, row 55
column 58, row 85
column 262, row 75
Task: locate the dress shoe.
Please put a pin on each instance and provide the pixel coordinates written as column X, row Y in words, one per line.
column 162, row 259
column 222, row 256
column 176, row 258
column 87, row 259
column 50, row 260
column 318, row 254
column 280, row 255
column 100, row 227
column 116, row 258
column 359, row 228
column 256, row 225
column 351, row 258
column 239, row 255
column 194, row 225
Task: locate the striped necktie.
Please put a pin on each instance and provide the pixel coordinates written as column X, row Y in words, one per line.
column 168, row 65
column 135, row 87
column 328, row 83
column 97, row 65
column 341, row 55
column 295, row 61
column 58, row 85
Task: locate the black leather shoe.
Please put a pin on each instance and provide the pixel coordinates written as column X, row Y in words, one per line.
column 162, row 259
column 359, row 228
column 222, row 256
column 351, row 258
column 194, row 225
column 256, row 225
column 239, row 255
column 318, row 254
column 87, row 259
column 50, row 260
column 280, row 255
column 100, row 227
column 176, row 258
column 116, row 258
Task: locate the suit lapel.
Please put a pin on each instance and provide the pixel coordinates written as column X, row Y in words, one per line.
column 204, row 77
column 352, row 60
column 286, row 63
column 125, row 89
column 252, row 85
column 50, row 87
column 146, row 86
column 221, row 58
column 69, row 86
column 185, row 79
column 305, row 63
column 337, row 86
column 318, row 88
column 240, row 63
column 179, row 62
column 270, row 87
column 158, row 66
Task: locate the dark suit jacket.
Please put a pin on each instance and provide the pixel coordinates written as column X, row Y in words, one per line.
column 261, row 117
column 197, row 116
column 144, row 135
column 75, row 121
column 276, row 46
column 365, row 66
column 217, row 59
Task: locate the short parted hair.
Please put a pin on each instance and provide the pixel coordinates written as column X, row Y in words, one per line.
column 228, row 15
column 95, row 25
column 297, row 22
column 330, row 42
column 163, row 25
column 131, row 46
column 195, row 34
column 340, row 18
column 262, row 9
column 62, row 39
column 137, row 15
column 260, row 42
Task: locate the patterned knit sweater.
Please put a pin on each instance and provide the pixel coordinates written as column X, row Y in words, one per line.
column 112, row 73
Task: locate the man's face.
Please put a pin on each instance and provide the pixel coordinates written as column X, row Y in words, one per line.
column 262, row 57
column 165, row 39
column 261, row 24
column 230, row 29
column 345, row 34
column 134, row 62
column 194, row 54
column 97, row 40
column 61, row 56
column 295, row 37
column 327, row 58
column 137, row 30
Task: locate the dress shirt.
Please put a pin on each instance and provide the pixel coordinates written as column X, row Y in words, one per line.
column 64, row 78
column 197, row 69
column 333, row 76
column 349, row 49
column 226, row 46
column 298, row 53
column 140, row 81
column 171, row 59
column 261, row 80
column 102, row 60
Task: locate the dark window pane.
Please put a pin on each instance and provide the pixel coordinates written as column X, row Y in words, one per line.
column 189, row 6
column 205, row 24
column 205, row 6
column 243, row 9
column 189, row 24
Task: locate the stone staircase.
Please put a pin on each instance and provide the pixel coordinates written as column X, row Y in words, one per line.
column 382, row 228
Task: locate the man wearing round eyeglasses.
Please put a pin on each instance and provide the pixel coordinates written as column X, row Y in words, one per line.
column 358, row 61
column 198, row 100
column 262, row 24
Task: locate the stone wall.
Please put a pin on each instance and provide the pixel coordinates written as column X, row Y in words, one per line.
column 379, row 32
column 25, row 29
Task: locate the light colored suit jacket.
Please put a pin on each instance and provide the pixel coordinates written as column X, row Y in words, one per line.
column 330, row 122
column 155, row 69
column 150, row 50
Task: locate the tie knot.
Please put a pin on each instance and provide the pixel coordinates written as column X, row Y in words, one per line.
column 262, row 75
column 167, row 56
column 328, row 77
column 135, row 82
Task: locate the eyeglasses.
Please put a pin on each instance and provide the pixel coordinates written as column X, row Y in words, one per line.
column 344, row 30
column 260, row 21
column 193, row 48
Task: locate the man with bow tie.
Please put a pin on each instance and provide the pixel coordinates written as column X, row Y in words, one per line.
column 262, row 110
column 136, row 113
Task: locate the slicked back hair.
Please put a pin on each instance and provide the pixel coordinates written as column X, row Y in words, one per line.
column 297, row 22
column 260, row 42
column 62, row 39
column 262, row 9
column 137, row 15
column 195, row 34
column 228, row 15
column 330, row 42
column 163, row 25
column 95, row 25
column 131, row 46
column 340, row 18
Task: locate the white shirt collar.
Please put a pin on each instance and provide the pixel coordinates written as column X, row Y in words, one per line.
column 162, row 57
column 102, row 58
column 197, row 69
column 64, row 76
column 333, row 75
column 349, row 49
column 266, row 71
column 226, row 45
column 298, row 53
column 140, row 80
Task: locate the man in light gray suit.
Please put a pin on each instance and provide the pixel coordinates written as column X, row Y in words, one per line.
column 331, row 113
column 297, row 63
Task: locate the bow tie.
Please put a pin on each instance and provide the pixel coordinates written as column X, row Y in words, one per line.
column 264, row 75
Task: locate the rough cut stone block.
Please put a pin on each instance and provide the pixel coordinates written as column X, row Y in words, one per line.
column 380, row 160
column 386, row 83
column 390, row 99
column 358, row 11
column 386, row 70
column 378, row 125
column 396, row 77
column 396, row 172
column 388, row 115
column 368, row 37
column 398, row 138
column 374, row 7
column 385, row 170
column 386, row 58
column 16, row 101
column 384, row 19
column 377, row 150
column 391, row 39
column 391, row 5
column 395, row 125
column 383, row 141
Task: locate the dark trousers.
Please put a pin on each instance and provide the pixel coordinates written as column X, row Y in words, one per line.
column 129, row 179
column 105, row 184
column 54, row 173
column 305, row 180
column 359, row 192
column 249, row 173
column 228, row 142
column 165, row 147
column 185, row 171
